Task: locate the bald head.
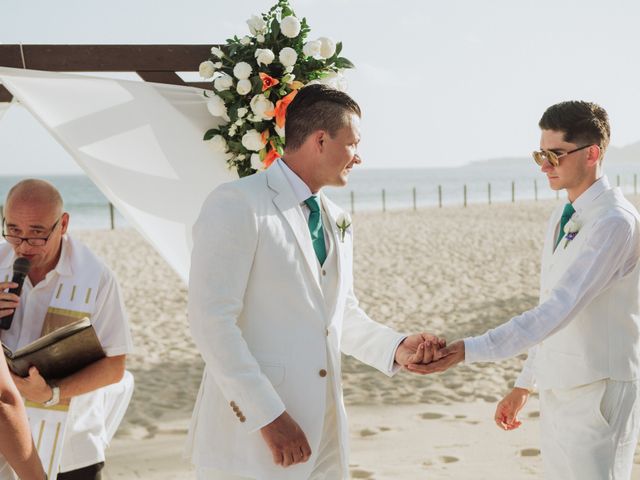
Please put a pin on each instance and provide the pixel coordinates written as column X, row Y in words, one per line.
column 37, row 193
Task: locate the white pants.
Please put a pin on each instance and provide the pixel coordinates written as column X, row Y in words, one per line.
column 327, row 466
column 590, row 432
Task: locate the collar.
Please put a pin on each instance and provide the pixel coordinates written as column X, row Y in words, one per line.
column 300, row 189
column 63, row 267
column 590, row 194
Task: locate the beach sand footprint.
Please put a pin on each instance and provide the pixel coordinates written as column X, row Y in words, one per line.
column 449, row 459
column 361, row 474
column 431, row 416
column 367, row 433
column 530, row 452
column 535, row 414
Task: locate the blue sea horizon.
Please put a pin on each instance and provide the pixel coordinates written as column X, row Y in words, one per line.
column 90, row 208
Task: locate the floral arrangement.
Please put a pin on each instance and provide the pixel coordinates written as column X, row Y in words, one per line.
column 257, row 76
column 571, row 229
column 343, row 222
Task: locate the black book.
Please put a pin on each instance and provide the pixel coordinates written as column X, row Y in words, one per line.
column 59, row 353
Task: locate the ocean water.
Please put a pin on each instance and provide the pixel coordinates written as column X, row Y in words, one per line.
column 90, row 209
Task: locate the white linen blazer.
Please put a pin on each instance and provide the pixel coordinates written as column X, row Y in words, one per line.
column 258, row 317
column 603, row 338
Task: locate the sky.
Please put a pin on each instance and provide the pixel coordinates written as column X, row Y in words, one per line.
column 441, row 84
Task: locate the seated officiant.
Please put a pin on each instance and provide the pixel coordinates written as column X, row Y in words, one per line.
column 65, row 282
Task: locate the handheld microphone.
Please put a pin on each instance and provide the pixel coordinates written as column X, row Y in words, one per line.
column 20, row 270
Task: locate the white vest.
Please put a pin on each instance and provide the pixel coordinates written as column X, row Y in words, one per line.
column 603, row 340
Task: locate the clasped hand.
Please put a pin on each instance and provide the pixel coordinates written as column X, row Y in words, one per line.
column 424, row 353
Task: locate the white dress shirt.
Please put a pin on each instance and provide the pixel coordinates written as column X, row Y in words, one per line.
column 611, row 252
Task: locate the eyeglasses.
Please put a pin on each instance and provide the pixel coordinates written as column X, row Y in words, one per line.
column 539, row 156
column 34, row 242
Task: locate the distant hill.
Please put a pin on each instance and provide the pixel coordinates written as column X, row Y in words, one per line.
column 628, row 153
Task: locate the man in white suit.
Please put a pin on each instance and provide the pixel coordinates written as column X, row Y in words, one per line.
column 584, row 336
column 271, row 306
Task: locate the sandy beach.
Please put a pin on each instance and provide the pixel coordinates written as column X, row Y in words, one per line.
column 453, row 271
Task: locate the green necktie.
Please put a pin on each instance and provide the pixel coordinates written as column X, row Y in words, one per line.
column 315, row 227
column 566, row 215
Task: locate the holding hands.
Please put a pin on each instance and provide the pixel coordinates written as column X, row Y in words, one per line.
column 424, row 353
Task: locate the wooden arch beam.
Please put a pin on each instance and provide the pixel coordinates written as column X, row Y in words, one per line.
column 153, row 63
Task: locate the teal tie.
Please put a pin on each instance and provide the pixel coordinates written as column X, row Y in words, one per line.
column 315, row 227
column 566, row 215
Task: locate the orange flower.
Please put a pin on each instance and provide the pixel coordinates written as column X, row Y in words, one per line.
column 264, row 136
column 267, row 81
column 280, row 111
column 272, row 155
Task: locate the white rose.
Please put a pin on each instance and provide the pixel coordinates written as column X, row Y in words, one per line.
column 290, row 26
column 573, row 225
column 256, row 24
column 217, row 108
column 207, row 69
column 242, row 70
column 312, row 48
column 223, row 82
column 260, row 38
column 334, row 80
column 242, row 111
column 217, row 52
column 244, row 86
column 260, row 105
column 280, row 131
column 246, row 40
column 343, row 220
column 264, row 56
column 219, row 143
column 327, row 47
column 256, row 163
column 252, row 140
column 288, row 56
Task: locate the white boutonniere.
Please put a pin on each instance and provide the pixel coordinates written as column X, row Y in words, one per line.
column 571, row 229
column 343, row 222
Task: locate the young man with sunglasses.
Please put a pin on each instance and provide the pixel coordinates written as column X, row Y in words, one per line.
column 584, row 336
column 66, row 281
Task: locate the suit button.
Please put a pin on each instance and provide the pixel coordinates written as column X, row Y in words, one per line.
column 243, row 419
column 233, row 404
column 322, row 373
column 324, row 273
column 327, row 332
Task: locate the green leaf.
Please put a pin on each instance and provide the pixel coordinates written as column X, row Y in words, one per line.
column 338, row 49
column 342, row 62
column 275, row 29
column 211, row 133
column 227, row 96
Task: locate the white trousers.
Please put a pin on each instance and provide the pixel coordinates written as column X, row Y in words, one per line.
column 590, row 432
column 327, row 466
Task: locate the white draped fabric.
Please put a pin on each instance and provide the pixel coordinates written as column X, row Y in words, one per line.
column 4, row 107
column 140, row 143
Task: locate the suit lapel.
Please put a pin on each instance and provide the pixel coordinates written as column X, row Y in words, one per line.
column 287, row 204
column 332, row 213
